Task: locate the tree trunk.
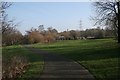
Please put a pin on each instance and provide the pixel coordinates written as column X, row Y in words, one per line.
column 118, row 5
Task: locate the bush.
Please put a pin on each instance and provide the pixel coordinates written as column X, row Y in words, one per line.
column 14, row 67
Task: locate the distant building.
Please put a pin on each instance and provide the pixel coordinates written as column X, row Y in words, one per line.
column 90, row 37
column 61, row 37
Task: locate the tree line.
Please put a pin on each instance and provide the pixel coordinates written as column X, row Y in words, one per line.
column 108, row 15
column 40, row 35
column 52, row 35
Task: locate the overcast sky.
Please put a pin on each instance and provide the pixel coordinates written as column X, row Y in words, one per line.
column 59, row 15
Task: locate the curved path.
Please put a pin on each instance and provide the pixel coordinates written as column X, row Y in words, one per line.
column 56, row 67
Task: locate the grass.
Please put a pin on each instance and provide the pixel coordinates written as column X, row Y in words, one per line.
column 99, row 56
column 35, row 60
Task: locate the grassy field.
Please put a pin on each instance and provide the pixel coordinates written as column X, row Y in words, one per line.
column 34, row 60
column 99, row 56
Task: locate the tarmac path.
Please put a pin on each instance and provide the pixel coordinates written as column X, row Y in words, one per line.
column 57, row 67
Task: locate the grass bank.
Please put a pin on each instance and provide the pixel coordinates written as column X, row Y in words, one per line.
column 35, row 61
column 99, row 56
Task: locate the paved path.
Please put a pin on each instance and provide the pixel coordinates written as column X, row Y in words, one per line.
column 56, row 67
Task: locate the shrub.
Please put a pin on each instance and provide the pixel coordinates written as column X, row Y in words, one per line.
column 14, row 67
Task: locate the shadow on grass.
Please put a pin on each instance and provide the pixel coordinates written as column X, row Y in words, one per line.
column 35, row 61
column 100, row 57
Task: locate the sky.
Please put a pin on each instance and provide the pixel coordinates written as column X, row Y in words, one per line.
column 59, row 15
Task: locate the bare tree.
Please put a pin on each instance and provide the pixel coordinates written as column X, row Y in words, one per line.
column 3, row 16
column 108, row 14
column 10, row 35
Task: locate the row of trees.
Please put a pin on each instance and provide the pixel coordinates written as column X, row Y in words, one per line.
column 40, row 35
column 108, row 14
column 98, row 33
column 51, row 35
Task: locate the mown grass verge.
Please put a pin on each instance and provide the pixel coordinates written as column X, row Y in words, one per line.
column 99, row 56
column 34, row 61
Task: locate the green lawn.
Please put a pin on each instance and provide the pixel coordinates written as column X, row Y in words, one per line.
column 35, row 61
column 99, row 56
